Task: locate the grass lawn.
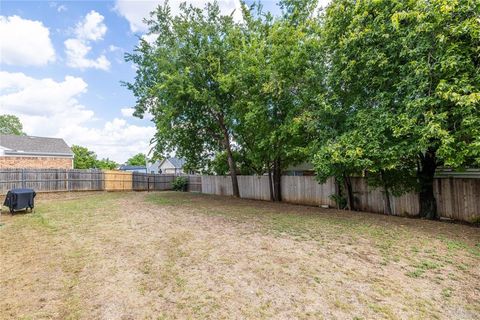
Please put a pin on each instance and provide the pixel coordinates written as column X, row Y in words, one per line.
column 189, row 256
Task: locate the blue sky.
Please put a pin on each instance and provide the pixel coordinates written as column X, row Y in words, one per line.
column 61, row 63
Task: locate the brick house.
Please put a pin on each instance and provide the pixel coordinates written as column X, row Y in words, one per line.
column 34, row 152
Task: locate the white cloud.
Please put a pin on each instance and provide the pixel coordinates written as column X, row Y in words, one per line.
column 51, row 108
column 127, row 112
column 91, row 28
column 60, row 8
column 24, row 42
column 136, row 10
column 76, row 51
column 113, row 48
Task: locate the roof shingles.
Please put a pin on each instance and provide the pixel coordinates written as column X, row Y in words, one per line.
column 34, row 145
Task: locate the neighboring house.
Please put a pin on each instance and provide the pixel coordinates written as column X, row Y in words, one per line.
column 130, row 168
column 34, row 152
column 167, row 166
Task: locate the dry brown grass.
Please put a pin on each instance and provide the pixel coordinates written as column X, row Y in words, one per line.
column 186, row 256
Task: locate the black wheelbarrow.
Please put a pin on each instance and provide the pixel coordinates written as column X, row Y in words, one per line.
column 20, row 199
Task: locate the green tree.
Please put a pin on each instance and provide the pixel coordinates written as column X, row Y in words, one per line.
column 273, row 77
column 183, row 79
column 10, row 124
column 106, row 164
column 139, row 159
column 83, row 158
column 219, row 164
column 402, row 88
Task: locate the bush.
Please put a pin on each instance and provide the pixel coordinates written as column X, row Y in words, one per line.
column 180, row 184
column 340, row 201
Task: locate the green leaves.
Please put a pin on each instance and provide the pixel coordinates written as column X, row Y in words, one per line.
column 87, row 159
column 140, row 159
column 401, row 92
column 10, row 124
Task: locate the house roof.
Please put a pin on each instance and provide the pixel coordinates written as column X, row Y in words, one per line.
column 178, row 163
column 129, row 167
column 34, row 145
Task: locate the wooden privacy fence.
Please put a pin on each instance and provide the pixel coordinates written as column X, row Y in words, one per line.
column 51, row 180
column 457, row 198
column 159, row 182
column 56, row 180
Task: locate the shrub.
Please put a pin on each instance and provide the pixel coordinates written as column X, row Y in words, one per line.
column 340, row 201
column 180, row 184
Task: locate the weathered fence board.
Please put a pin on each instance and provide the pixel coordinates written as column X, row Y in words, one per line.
column 159, row 182
column 306, row 190
column 51, row 180
column 152, row 182
column 194, row 183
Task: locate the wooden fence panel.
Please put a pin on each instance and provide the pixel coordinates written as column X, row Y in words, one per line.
column 118, row 180
column 152, row 182
column 220, row 185
column 51, row 180
column 253, row 187
column 140, row 181
column 10, row 179
column 307, row 190
column 458, row 198
column 194, row 183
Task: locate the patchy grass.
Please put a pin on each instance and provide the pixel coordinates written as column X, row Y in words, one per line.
column 174, row 255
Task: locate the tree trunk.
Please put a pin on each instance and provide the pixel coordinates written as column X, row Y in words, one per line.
column 425, row 174
column 338, row 193
column 348, row 189
column 232, row 166
column 233, row 171
column 386, row 194
column 277, row 180
column 270, row 183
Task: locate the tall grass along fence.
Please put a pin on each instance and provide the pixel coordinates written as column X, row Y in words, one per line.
column 457, row 198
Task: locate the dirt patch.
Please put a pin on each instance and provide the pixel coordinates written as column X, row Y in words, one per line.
column 178, row 256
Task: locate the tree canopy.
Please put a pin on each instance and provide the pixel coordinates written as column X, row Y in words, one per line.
column 385, row 89
column 87, row 159
column 183, row 80
column 10, row 124
column 140, row 159
column 402, row 84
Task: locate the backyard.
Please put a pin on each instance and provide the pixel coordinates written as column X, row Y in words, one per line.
column 169, row 255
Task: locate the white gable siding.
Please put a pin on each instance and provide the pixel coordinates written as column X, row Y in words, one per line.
column 168, row 168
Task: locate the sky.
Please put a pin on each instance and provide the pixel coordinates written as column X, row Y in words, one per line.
column 61, row 67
